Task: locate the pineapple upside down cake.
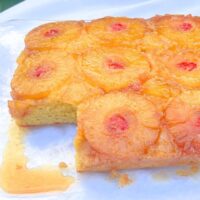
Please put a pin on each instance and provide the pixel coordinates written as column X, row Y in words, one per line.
column 131, row 85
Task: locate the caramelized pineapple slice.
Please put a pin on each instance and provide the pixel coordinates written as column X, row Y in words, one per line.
column 183, row 119
column 39, row 73
column 113, row 68
column 118, row 31
column 119, row 124
column 180, row 29
column 56, row 35
column 181, row 66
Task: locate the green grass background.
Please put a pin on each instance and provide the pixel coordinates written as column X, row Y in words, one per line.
column 5, row 4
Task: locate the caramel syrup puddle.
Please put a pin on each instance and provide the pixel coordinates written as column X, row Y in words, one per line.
column 16, row 178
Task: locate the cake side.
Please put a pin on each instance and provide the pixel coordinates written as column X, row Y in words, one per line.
column 40, row 112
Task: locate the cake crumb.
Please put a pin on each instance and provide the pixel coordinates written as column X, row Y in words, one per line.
column 63, row 165
column 192, row 170
column 122, row 179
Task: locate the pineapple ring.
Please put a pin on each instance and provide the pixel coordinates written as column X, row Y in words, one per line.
column 183, row 119
column 41, row 72
column 182, row 66
column 183, row 30
column 54, row 35
column 113, row 69
column 113, row 30
column 120, row 124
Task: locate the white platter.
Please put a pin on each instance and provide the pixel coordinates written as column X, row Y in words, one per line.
column 53, row 144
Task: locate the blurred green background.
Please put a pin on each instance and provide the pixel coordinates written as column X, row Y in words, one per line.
column 5, row 4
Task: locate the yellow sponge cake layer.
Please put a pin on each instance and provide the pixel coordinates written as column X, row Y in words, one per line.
column 31, row 112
